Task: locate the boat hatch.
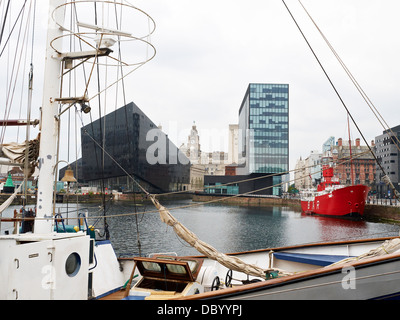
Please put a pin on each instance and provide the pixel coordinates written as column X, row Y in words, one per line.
column 171, row 268
column 166, row 278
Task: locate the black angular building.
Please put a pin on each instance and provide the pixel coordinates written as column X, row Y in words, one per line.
column 131, row 141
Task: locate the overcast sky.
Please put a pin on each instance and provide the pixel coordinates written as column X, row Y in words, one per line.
column 209, row 51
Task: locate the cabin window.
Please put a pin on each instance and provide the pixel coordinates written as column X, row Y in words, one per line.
column 192, row 265
column 73, row 264
column 152, row 266
column 176, row 269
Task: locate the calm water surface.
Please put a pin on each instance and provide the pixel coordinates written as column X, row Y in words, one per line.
column 234, row 228
column 227, row 228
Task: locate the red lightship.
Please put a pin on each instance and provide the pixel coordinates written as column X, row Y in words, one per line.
column 333, row 199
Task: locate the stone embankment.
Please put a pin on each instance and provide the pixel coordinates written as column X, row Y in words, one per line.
column 387, row 213
column 248, row 201
column 379, row 212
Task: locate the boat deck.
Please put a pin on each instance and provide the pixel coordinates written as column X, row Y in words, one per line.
column 118, row 295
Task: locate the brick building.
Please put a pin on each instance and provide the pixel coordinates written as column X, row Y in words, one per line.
column 360, row 170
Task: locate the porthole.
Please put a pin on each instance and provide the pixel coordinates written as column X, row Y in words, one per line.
column 73, row 264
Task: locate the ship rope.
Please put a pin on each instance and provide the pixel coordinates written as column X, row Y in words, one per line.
column 165, row 215
column 387, row 179
column 230, row 262
column 341, row 162
column 14, row 66
column 148, row 195
column 370, row 104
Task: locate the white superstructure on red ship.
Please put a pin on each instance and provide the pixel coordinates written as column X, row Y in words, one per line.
column 333, row 199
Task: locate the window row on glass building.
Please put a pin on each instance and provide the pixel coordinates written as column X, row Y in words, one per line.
column 264, row 116
column 259, row 112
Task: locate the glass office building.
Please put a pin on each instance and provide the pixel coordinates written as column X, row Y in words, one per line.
column 264, row 130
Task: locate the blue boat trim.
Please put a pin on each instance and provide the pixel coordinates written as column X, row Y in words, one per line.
column 134, row 298
column 322, row 260
column 392, row 296
column 108, row 293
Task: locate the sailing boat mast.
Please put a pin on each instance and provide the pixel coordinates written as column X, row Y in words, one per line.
column 351, row 156
column 49, row 124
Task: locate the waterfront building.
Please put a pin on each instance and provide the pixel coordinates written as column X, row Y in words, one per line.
column 359, row 170
column 233, row 146
column 328, row 144
column 262, row 146
column 234, row 185
column 308, row 171
column 134, row 142
column 264, row 131
column 388, row 155
column 353, row 163
column 300, row 174
column 193, row 148
column 202, row 163
column 197, row 173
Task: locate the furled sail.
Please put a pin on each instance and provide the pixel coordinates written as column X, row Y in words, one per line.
column 9, row 201
column 388, row 247
column 229, row 262
column 16, row 152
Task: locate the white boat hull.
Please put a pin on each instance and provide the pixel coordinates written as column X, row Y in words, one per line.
column 375, row 281
column 372, row 278
column 313, row 277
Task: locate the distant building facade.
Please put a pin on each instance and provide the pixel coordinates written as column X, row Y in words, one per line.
column 261, row 143
column 308, row 171
column 234, row 185
column 264, row 131
column 202, row 163
column 233, row 147
column 388, row 155
column 354, row 163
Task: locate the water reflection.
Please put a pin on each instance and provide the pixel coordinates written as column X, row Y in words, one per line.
column 227, row 228
column 238, row 228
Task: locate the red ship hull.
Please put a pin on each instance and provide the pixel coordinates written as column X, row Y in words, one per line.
column 340, row 202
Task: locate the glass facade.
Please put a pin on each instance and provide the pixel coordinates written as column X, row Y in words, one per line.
column 126, row 141
column 219, row 188
column 264, row 129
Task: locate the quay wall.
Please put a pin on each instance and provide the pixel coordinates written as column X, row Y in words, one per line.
column 388, row 213
column 378, row 212
column 248, row 201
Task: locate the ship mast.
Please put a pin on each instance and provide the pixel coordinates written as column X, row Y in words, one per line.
column 49, row 124
column 351, row 156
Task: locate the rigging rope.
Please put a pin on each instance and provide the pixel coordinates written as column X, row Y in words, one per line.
column 355, row 82
column 202, row 203
column 4, row 21
column 12, row 29
column 397, row 194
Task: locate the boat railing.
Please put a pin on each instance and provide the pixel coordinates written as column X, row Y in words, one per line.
column 307, row 194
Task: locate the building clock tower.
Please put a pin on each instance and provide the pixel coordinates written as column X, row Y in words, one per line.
column 193, row 146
